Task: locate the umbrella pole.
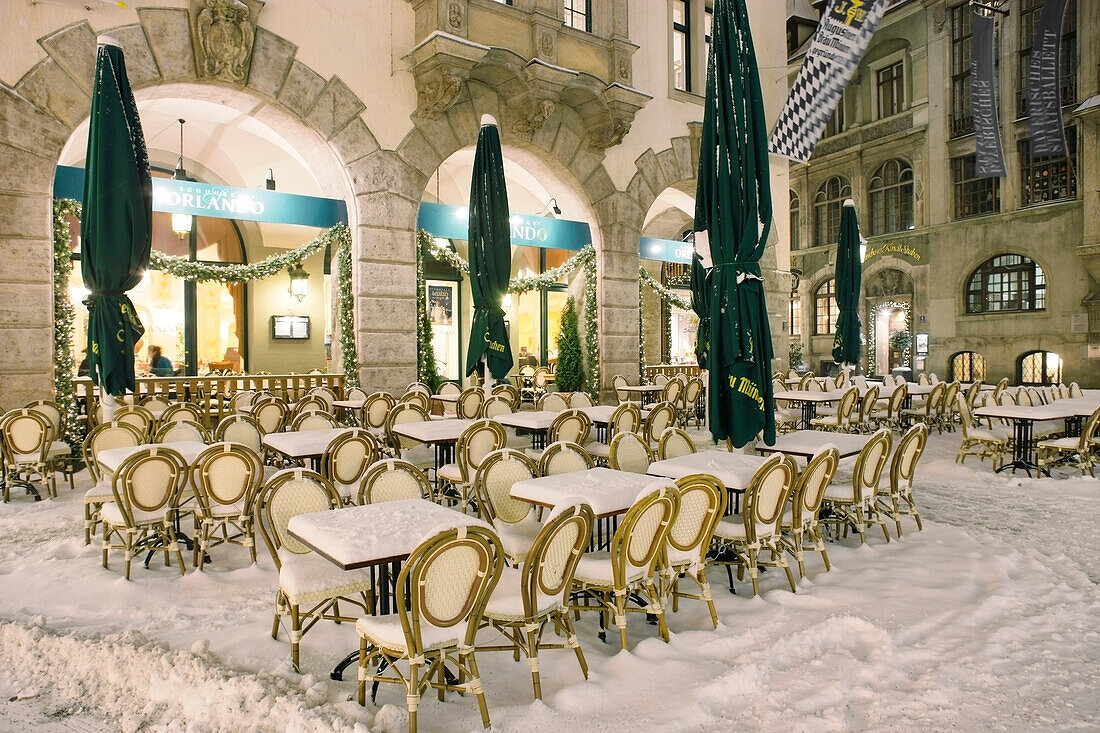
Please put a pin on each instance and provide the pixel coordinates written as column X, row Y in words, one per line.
column 110, row 404
column 486, row 376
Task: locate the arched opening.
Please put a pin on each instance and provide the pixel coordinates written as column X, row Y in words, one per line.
column 966, row 366
column 230, row 139
column 670, row 331
column 535, row 189
column 1039, row 367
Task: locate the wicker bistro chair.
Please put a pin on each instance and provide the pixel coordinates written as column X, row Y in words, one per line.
column 991, row 442
column 376, row 409
column 137, row 416
column 418, row 387
column 672, row 393
column 180, row 430
column 580, row 399
column 896, row 500
column 392, row 479
column 441, row 594
column 891, row 418
column 310, row 587
column 309, row 403
column 241, row 398
column 536, row 593
column 613, row 577
column 841, row 421
column 854, row 504
column 929, row 411
column 60, row 452
column 702, row 504
column 515, row 521
column 240, row 428
column 626, row 418
column 495, row 406
column 662, row 415
column 565, row 457
column 1081, row 450
column 553, row 402
column 865, row 419
column 510, row 392
column 456, row 480
column 674, row 442
column 225, row 477
column 182, row 411
column 142, row 514
column 103, row 436
column 271, row 415
column 469, row 403
column 948, row 413
column 799, row 523
column 29, row 450
column 745, row 536
column 347, row 458
column 617, row 383
column 629, row 453
column 422, row 456
column 687, row 409
column 570, row 425
column 421, row 399
column 156, row 402
column 325, row 394
column 314, row 420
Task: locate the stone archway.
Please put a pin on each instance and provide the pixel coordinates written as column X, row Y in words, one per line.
column 53, row 97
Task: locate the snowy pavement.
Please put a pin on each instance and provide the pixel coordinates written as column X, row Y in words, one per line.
column 989, row 619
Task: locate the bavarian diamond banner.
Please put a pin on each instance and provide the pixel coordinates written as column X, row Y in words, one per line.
column 1044, row 99
column 838, row 45
column 989, row 157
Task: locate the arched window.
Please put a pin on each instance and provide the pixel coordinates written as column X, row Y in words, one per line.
column 891, row 195
column 1006, row 283
column 794, row 221
column 966, row 366
column 827, row 206
column 1039, row 367
column 826, row 310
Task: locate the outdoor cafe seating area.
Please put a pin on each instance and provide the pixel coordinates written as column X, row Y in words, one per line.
column 424, row 520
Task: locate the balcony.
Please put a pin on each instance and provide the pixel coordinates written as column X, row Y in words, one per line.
column 532, row 59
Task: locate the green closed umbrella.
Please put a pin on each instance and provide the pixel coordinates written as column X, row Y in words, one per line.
column 490, row 255
column 700, row 303
column 116, row 222
column 847, row 346
column 733, row 213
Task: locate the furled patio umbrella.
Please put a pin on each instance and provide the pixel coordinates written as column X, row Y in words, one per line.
column 490, row 255
column 116, row 222
column 733, row 213
column 700, row 303
column 847, row 345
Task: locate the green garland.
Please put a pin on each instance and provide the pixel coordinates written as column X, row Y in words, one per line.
column 585, row 259
column 345, row 307
column 872, row 356
column 666, row 294
column 427, row 371
column 338, row 238
column 64, row 314
column 641, row 330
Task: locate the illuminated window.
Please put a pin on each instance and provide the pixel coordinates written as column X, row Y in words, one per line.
column 1039, row 367
column 1006, row 283
column 826, row 310
column 1048, row 179
column 966, row 366
column 890, row 84
column 796, row 316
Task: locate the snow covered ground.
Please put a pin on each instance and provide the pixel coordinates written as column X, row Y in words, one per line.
column 989, row 619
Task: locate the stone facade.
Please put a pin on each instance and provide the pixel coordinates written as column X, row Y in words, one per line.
column 594, row 109
column 942, row 250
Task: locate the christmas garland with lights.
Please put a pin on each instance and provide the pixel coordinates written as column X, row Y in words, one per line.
column 585, row 259
column 64, row 314
column 338, row 238
column 427, row 370
column 906, row 359
column 641, row 330
column 666, row 294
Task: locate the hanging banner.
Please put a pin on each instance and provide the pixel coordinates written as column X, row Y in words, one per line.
column 452, row 222
column 839, row 43
column 1044, row 99
column 989, row 157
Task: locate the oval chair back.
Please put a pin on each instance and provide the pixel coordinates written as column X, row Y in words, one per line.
column 270, row 415
column 626, row 418
column 637, row 544
column 510, row 392
column 766, row 497
column 347, row 458
column 469, row 403
column 376, row 409
column 809, row 489
column 702, row 504
column 148, row 482
column 241, row 429
column 181, row 430
column 314, row 420
column 617, row 383
column 660, row 416
column 495, row 406
column 326, row 395
column 552, row 402
column 417, row 397
column 547, row 571
column 476, row 442
column 404, row 412
column 674, row 442
column 137, row 416
column 564, row 457
column 226, row 476
column 571, row 425
column 869, row 465
column 580, row 399
column 672, row 391
column 108, row 435
column 867, row 406
column 493, row 483
column 288, row 493
column 309, row 403
column 241, row 398
column 156, row 402
column 355, row 394
column 630, row 453
column 181, row 411
column 393, row 480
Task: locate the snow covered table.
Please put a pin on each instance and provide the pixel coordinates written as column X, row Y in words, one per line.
column 809, row 400
column 600, row 415
column 734, row 470
column 805, row 443
column 111, row 458
column 300, row 444
column 536, row 423
column 443, row 434
column 609, row 493
column 375, row 536
column 1023, row 422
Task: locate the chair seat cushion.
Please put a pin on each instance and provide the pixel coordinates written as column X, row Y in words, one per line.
column 732, row 528
column 518, row 537
column 227, row 510
column 841, row 493
column 111, row 514
column 309, row 577
column 506, row 603
column 99, row 493
column 999, row 435
column 386, row 632
column 594, row 568
column 1066, row 444
column 598, row 450
column 451, row 472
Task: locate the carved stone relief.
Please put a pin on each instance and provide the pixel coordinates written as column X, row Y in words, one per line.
column 455, row 16
column 531, row 117
column 224, row 33
column 609, row 135
column 546, row 45
column 889, row 282
column 436, row 92
column 624, row 69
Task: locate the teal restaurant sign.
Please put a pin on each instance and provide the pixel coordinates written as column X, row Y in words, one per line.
column 223, row 202
column 453, row 222
column 665, row 250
